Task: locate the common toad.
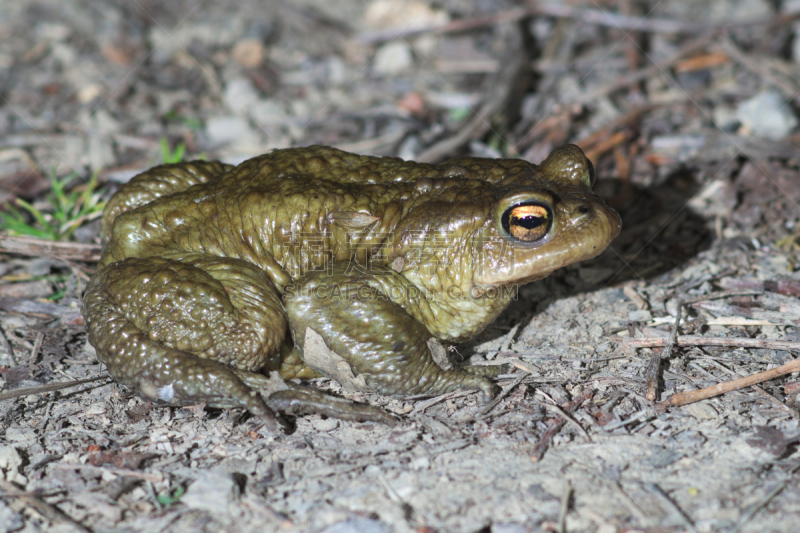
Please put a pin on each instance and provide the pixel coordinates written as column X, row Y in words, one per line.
column 207, row 267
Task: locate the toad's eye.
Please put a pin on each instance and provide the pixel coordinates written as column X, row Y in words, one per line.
column 527, row 222
column 592, row 174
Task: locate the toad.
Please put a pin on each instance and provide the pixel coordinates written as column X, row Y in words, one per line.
column 314, row 261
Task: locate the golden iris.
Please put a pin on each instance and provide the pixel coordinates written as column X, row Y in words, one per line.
column 528, row 222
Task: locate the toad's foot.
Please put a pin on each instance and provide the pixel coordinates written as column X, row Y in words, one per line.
column 293, row 399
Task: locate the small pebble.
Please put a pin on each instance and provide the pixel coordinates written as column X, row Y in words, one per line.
column 392, row 59
column 211, row 491
column 766, row 115
column 248, row 52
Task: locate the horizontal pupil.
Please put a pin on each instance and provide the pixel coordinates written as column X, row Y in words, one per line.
column 528, row 222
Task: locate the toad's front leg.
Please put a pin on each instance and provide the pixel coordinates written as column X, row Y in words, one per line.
column 366, row 339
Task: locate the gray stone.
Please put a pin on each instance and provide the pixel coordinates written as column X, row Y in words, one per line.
column 766, row 115
column 211, row 491
column 392, row 59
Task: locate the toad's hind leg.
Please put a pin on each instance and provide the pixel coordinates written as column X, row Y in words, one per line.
column 184, row 330
column 362, row 338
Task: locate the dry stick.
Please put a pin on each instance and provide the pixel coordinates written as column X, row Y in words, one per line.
column 640, row 513
column 510, row 15
column 758, row 389
column 155, row 478
column 655, row 489
column 50, row 387
column 41, row 309
column 627, row 119
column 703, row 62
column 37, row 345
column 555, row 426
column 567, row 418
column 562, row 514
column 422, row 405
column 594, row 153
column 721, row 294
column 544, row 442
column 691, row 340
column 683, row 398
column 655, row 360
column 505, row 392
column 32, row 247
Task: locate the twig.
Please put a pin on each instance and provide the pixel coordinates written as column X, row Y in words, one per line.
column 50, row 387
column 497, row 399
column 37, row 345
column 510, row 15
column 758, row 389
column 684, row 398
column 651, row 375
column 556, row 425
column 560, row 47
column 422, row 405
column 370, row 145
column 627, row 119
column 32, row 247
column 562, row 514
column 567, row 418
column 655, row 360
column 609, row 143
column 721, row 294
column 640, row 513
column 664, row 497
column 702, row 62
column 785, row 286
column 691, row 340
column 634, row 296
column 253, row 503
